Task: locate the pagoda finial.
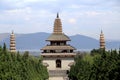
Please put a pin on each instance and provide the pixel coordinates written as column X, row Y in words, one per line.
column 57, row 15
column 101, row 31
column 12, row 32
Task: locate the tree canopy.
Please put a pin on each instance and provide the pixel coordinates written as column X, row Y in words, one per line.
column 14, row 66
column 105, row 65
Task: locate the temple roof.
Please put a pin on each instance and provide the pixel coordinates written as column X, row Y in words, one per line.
column 58, row 37
column 59, row 55
column 58, row 48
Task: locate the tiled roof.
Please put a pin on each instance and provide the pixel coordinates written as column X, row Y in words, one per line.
column 58, row 54
column 58, row 48
column 58, row 37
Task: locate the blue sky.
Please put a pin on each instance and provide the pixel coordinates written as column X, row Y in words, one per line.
column 86, row 17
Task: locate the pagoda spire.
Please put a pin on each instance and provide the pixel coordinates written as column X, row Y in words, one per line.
column 57, row 15
column 12, row 42
column 102, row 40
column 57, row 25
column 101, row 32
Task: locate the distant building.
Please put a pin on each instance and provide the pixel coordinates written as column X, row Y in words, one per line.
column 12, row 42
column 58, row 56
column 102, row 41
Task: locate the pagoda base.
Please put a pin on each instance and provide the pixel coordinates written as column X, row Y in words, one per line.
column 58, row 64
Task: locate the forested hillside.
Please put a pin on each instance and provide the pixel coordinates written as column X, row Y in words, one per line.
column 99, row 65
column 14, row 66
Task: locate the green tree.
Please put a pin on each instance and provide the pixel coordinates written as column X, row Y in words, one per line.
column 105, row 65
column 20, row 67
column 81, row 70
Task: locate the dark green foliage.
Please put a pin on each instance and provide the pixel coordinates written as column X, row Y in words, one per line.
column 4, row 47
column 14, row 66
column 119, row 50
column 105, row 66
column 80, row 71
column 96, row 51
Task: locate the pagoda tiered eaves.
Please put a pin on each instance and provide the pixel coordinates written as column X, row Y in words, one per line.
column 58, row 40
column 58, row 37
column 58, row 55
column 12, row 42
column 58, row 48
column 102, row 40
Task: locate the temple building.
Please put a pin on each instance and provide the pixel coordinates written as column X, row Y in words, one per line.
column 57, row 55
column 12, row 42
column 102, row 41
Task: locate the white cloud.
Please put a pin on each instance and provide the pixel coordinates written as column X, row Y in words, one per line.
column 86, row 15
column 31, row 0
column 93, row 13
column 72, row 21
column 74, row 6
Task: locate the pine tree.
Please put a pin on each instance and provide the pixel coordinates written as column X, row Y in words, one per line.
column 4, row 48
column 20, row 67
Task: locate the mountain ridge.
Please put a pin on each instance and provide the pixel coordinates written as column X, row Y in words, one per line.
column 37, row 41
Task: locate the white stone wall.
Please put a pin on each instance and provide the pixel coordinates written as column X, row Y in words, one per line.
column 57, row 78
column 52, row 63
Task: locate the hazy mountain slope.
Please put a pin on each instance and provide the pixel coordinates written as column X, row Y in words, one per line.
column 3, row 35
column 84, row 42
column 28, row 41
column 37, row 41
